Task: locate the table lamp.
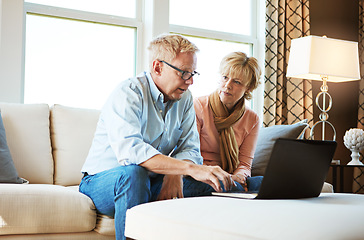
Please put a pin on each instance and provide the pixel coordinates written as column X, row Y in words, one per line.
column 327, row 60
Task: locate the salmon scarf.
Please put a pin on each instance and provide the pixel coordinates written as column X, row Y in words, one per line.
column 224, row 120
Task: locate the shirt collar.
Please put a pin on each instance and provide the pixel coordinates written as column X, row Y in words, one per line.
column 156, row 94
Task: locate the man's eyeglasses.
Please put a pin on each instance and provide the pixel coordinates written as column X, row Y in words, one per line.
column 185, row 74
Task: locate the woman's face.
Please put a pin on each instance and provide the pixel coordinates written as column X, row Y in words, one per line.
column 231, row 90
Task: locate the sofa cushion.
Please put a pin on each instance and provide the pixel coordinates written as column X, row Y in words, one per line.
column 8, row 173
column 327, row 188
column 72, row 131
column 91, row 235
column 104, row 224
column 28, row 138
column 266, row 139
column 44, row 208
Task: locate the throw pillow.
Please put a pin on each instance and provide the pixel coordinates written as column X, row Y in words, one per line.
column 8, row 173
column 266, row 139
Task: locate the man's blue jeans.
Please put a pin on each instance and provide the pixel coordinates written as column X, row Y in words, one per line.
column 118, row 189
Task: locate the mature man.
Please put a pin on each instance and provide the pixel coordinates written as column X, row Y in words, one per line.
column 146, row 138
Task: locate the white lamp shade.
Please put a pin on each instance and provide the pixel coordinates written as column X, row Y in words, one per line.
column 313, row 57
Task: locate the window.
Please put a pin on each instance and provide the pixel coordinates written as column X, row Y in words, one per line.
column 74, row 52
column 73, row 61
column 122, row 8
column 231, row 16
column 217, row 28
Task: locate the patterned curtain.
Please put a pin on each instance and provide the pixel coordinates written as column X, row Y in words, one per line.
column 358, row 183
column 285, row 100
column 361, row 64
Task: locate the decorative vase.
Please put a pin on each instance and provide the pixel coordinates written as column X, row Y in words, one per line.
column 354, row 141
column 355, row 158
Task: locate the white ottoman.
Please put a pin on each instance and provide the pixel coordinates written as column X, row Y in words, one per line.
column 330, row 216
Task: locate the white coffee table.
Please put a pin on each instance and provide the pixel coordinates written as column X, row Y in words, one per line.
column 330, row 216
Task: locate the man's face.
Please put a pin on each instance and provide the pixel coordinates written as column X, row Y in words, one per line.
column 169, row 80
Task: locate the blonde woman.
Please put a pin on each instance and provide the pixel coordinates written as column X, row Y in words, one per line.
column 228, row 128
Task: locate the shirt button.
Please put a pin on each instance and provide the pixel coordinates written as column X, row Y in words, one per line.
column 166, row 129
column 160, row 111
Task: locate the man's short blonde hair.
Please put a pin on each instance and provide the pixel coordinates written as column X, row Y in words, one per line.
column 239, row 65
column 167, row 46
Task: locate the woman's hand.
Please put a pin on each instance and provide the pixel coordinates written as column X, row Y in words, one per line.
column 241, row 179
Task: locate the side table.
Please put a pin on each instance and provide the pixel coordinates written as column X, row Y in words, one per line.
column 340, row 174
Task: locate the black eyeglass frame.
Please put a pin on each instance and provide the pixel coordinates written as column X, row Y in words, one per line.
column 190, row 74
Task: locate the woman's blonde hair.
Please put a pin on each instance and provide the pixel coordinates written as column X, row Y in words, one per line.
column 167, row 46
column 239, row 65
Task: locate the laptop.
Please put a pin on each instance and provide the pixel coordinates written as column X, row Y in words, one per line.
column 296, row 169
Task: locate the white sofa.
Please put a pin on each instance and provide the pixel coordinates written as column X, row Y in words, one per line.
column 49, row 147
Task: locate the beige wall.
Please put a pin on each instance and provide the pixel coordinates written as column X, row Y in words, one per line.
column 338, row 19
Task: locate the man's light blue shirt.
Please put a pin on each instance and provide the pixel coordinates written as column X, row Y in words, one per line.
column 135, row 125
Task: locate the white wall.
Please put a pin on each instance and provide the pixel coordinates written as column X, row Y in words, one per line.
column 11, row 51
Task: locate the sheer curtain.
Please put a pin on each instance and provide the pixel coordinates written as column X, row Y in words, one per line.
column 286, row 100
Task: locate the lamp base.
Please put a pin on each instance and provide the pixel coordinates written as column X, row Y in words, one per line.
column 323, row 129
column 324, row 116
column 355, row 158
